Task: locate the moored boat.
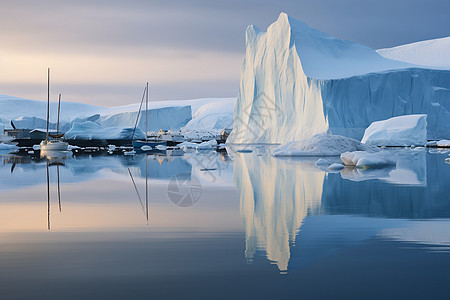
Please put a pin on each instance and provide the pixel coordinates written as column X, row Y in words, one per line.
column 138, row 144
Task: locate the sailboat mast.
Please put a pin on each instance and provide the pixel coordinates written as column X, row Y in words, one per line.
column 48, row 100
column 146, row 114
column 59, row 109
column 146, row 187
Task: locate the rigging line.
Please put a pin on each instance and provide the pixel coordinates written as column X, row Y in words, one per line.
column 59, row 190
column 137, row 192
column 48, row 197
column 139, row 112
column 146, row 187
column 59, row 109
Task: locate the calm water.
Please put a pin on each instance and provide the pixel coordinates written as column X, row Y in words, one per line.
column 217, row 226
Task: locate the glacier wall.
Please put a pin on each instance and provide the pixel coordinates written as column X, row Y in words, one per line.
column 297, row 82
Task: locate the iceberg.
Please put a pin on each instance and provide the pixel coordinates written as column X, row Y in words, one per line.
column 397, row 131
column 431, row 53
column 297, row 82
column 199, row 114
column 8, row 148
column 214, row 115
column 93, row 131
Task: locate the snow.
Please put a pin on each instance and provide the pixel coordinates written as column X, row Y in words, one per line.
column 297, row 82
column 365, row 160
column 214, row 115
column 397, row 131
column 321, row 145
column 432, row 53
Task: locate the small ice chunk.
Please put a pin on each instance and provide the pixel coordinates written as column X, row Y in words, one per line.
column 146, row 148
column 447, row 160
column 31, row 152
column 112, row 147
column 209, row 145
column 36, row 147
column 431, row 144
column 129, row 152
column 322, row 162
column 363, row 159
column 187, row 145
column 443, row 143
column 161, row 147
column 8, row 147
column 336, row 166
column 71, row 147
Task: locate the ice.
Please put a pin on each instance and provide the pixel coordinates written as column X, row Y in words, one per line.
column 146, row 148
column 187, row 145
column 443, row 143
column 209, row 145
column 214, row 115
column 397, row 131
column 93, row 131
column 297, row 82
column 336, row 167
column 8, row 147
column 205, row 114
column 365, row 160
column 432, row 53
column 321, row 145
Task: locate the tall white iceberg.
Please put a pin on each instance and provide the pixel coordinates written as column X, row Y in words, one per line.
column 297, row 82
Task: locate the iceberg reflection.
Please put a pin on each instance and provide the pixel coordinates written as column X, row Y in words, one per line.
column 275, row 197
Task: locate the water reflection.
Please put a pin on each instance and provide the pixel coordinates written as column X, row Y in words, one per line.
column 99, row 193
column 275, row 197
column 279, row 196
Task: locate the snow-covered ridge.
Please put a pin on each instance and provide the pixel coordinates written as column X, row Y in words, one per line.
column 172, row 114
column 297, row 82
column 325, row 57
column 431, row 53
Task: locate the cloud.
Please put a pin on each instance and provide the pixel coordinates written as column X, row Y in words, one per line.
column 182, row 45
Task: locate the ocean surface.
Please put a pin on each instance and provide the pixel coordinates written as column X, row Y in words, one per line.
column 236, row 225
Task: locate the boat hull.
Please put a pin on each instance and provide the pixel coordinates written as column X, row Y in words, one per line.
column 137, row 144
column 54, row 146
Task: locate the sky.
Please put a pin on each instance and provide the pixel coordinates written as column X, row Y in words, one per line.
column 102, row 52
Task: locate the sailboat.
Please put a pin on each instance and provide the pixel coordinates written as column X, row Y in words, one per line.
column 138, row 144
column 55, row 143
column 144, row 209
